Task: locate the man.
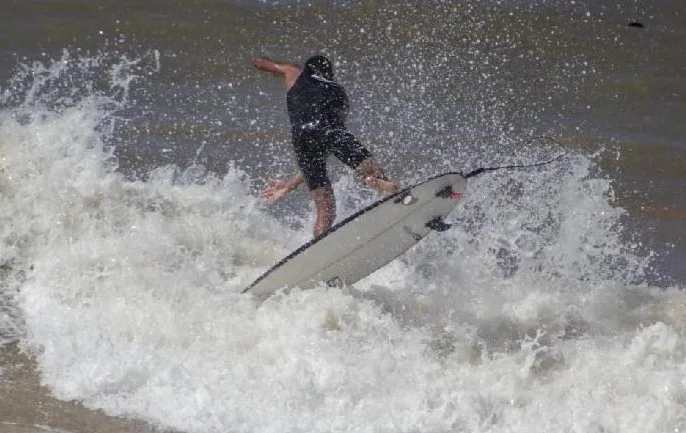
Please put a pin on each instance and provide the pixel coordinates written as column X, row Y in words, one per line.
column 317, row 107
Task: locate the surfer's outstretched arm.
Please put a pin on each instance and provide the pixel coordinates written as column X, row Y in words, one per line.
column 287, row 71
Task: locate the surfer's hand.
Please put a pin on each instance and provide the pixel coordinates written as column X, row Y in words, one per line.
column 276, row 189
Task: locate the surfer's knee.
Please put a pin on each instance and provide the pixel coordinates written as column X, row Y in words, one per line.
column 369, row 167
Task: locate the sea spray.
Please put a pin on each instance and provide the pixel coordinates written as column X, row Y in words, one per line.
column 527, row 315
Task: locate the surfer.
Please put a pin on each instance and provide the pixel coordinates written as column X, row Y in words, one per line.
column 318, row 107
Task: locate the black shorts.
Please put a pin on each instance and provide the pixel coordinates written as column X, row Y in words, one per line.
column 312, row 147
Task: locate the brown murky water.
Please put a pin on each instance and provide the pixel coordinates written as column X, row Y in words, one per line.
column 28, row 407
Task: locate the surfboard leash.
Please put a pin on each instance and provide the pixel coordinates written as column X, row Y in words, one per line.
column 481, row 170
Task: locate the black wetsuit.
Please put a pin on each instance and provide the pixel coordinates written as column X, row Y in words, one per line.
column 314, row 106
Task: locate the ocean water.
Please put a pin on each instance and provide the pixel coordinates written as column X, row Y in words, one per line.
column 134, row 140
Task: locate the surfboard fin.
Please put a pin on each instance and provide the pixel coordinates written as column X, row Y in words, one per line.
column 448, row 192
column 445, row 192
column 438, row 224
column 335, row 282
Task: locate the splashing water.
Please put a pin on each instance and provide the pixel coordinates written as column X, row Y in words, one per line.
column 532, row 314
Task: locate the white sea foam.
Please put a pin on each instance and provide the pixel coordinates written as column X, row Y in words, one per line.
column 529, row 315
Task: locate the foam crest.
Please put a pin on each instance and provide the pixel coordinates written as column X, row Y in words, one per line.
column 530, row 314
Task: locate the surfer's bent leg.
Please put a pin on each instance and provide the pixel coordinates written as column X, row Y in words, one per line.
column 348, row 149
column 310, row 151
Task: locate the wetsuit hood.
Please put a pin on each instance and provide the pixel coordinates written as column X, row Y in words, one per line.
column 319, row 66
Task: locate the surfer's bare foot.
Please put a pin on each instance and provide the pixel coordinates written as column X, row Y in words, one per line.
column 382, row 186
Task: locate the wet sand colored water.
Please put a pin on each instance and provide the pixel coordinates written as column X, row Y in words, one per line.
column 28, row 407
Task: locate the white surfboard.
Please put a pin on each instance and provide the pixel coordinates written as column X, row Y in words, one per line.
column 368, row 239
